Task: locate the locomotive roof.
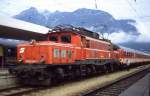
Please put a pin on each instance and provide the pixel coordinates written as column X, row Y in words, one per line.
column 78, row 30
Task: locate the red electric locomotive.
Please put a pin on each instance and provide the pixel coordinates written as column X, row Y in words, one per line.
column 68, row 54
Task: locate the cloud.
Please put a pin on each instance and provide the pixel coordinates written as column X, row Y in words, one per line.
column 123, row 37
column 118, row 8
column 143, row 29
column 12, row 7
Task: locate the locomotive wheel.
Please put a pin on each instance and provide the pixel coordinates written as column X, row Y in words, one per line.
column 115, row 65
column 60, row 73
column 70, row 73
column 89, row 71
column 77, row 72
column 46, row 82
column 83, row 70
column 111, row 67
column 105, row 68
column 47, row 79
column 93, row 70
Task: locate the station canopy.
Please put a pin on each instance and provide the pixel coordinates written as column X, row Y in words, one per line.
column 11, row 28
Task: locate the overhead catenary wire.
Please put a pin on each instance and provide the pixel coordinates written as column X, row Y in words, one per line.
column 135, row 11
column 96, row 4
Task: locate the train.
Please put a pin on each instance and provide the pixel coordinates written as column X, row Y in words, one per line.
column 68, row 53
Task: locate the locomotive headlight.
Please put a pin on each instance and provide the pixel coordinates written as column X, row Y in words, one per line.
column 21, row 59
column 21, row 51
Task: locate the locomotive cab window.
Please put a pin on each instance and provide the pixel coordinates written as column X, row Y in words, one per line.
column 53, row 38
column 66, row 38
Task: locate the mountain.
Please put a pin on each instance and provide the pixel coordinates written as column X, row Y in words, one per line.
column 95, row 20
column 33, row 16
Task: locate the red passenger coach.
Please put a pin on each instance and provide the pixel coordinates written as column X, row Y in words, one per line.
column 133, row 57
column 70, row 53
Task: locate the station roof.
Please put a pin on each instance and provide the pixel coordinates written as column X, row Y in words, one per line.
column 10, row 42
column 21, row 30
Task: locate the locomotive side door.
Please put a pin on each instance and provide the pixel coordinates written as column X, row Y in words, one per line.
column 63, row 55
column 29, row 54
column 71, row 55
column 43, row 53
column 83, row 46
column 35, row 53
column 56, row 52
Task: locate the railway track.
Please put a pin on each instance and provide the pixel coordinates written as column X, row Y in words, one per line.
column 16, row 91
column 96, row 86
column 91, row 86
column 117, row 87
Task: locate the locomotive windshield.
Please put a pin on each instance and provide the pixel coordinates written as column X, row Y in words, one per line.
column 53, row 38
column 66, row 38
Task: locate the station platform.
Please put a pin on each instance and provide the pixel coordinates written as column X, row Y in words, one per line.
column 140, row 88
column 4, row 71
column 6, row 79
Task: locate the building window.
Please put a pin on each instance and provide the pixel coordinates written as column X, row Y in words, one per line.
column 66, row 38
column 63, row 53
column 56, row 53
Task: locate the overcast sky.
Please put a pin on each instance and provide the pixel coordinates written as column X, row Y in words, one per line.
column 118, row 8
column 139, row 10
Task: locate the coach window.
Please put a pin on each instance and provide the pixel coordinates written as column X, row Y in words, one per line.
column 63, row 53
column 56, row 53
column 66, row 38
column 126, row 53
column 53, row 38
